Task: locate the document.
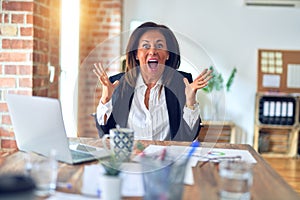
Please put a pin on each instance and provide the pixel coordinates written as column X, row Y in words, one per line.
column 69, row 196
column 202, row 152
column 270, row 80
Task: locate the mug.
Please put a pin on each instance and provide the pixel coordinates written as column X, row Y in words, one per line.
column 121, row 143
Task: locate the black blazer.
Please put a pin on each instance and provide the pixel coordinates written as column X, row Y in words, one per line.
column 175, row 99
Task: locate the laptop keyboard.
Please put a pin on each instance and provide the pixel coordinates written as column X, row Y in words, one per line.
column 85, row 148
column 76, row 155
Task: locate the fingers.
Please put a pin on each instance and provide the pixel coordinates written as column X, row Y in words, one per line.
column 99, row 70
column 186, row 82
column 100, row 73
column 205, row 74
column 116, row 83
column 202, row 73
column 96, row 73
column 203, row 78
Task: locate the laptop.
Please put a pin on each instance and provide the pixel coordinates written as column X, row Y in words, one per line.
column 39, row 127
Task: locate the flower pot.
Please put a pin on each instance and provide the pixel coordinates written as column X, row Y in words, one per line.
column 110, row 187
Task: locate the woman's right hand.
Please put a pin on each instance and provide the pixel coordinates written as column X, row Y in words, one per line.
column 107, row 87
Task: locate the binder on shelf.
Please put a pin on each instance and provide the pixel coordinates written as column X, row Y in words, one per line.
column 277, row 124
column 290, row 113
column 272, row 113
column 284, row 113
column 277, row 110
column 278, row 116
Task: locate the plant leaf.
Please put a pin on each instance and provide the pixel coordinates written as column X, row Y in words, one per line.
column 230, row 79
column 215, row 83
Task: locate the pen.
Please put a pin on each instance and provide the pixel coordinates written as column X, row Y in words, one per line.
column 163, row 154
column 194, row 145
column 64, row 185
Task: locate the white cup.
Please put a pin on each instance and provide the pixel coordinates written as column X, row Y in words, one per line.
column 121, row 143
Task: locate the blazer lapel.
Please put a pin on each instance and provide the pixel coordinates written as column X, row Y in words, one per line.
column 173, row 111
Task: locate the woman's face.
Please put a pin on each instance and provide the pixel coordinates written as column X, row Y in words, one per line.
column 152, row 54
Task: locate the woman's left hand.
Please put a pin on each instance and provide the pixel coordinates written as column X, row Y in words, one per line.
column 191, row 88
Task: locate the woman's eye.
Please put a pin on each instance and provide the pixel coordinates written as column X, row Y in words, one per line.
column 146, row 46
column 159, row 46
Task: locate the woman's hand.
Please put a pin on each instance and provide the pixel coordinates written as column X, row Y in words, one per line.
column 191, row 88
column 107, row 87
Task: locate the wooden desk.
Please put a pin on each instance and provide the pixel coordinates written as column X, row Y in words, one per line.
column 267, row 184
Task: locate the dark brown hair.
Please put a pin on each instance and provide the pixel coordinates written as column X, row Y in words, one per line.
column 172, row 45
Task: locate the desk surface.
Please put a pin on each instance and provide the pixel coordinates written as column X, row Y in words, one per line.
column 267, row 184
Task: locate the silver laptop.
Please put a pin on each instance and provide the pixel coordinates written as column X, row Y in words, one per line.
column 39, row 127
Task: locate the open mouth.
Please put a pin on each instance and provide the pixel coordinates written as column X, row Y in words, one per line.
column 152, row 64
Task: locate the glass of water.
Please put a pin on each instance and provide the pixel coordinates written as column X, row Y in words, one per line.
column 236, row 179
column 44, row 173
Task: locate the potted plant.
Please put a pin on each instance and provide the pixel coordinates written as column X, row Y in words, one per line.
column 217, row 82
column 111, row 166
column 110, row 181
column 215, row 87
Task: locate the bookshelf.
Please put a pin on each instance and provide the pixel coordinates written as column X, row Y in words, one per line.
column 276, row 129
column 277, row 126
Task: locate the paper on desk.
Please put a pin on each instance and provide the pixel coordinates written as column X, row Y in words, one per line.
column 69, row 196
column 177, row 151
column 215, row 152
column 219, row 153
column 132, row 179
column 90, row 182
column 156, row 149
column 202, row 151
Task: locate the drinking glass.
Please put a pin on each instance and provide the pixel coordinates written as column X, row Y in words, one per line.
column 235, row 180
column 44, row 173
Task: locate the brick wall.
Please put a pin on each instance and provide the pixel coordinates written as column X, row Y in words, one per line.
column 46, row 34
column 29, row 43
column 26, row 29
column 100, row 30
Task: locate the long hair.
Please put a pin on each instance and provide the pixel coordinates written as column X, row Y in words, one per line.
column 172, row 45
column 131, row 51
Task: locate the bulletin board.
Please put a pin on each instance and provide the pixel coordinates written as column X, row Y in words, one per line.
column 278, row 71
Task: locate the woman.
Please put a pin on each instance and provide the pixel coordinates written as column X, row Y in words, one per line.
column 153, row 98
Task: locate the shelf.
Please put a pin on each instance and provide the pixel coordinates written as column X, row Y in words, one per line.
column 271, row 126
column 276, row 140
column 218, row 131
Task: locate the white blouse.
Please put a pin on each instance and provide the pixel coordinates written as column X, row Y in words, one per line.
column 152, row 124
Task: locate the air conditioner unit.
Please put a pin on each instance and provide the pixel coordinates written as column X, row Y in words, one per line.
column 280, row 3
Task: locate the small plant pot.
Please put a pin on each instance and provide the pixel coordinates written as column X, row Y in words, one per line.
column 110, row 187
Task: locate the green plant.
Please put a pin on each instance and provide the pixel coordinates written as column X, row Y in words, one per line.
column 111, row 166
column 217, row 82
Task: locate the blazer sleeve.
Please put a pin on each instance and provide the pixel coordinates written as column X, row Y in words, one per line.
column 185, row 133
column 104, row 129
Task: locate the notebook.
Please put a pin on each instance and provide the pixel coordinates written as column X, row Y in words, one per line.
column 39, row 127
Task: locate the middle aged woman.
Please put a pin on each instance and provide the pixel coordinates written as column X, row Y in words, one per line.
column 152, row 97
